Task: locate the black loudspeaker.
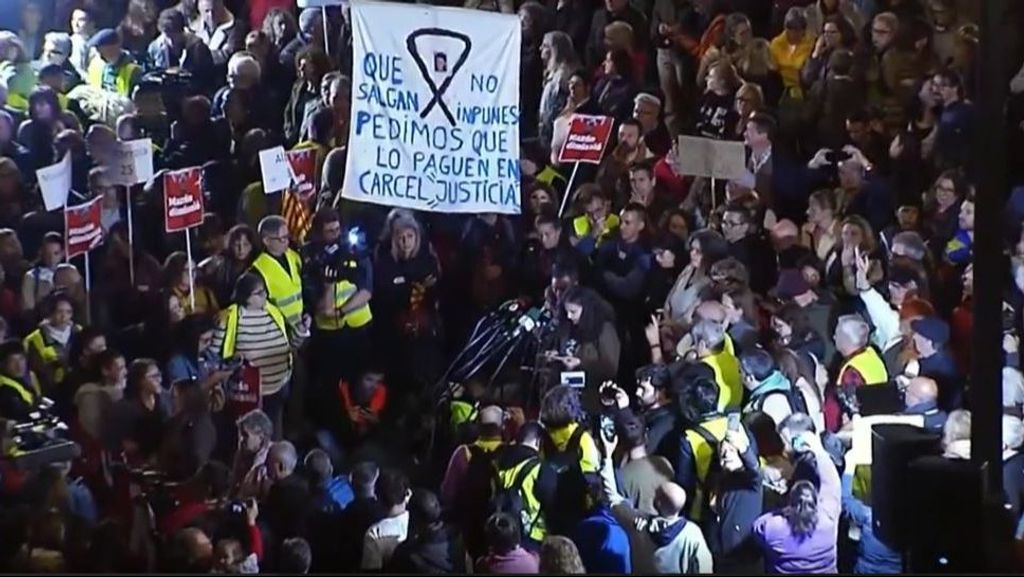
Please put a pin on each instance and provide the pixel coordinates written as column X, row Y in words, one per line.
column 893, row 448
column 948, row 519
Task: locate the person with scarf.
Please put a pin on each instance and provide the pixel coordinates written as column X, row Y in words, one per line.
column 768, row 390
column 48, row 345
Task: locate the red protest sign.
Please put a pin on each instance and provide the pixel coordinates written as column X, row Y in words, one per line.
column 588, row 136
column 183, row 199
column 303, row 163
column 83, row 230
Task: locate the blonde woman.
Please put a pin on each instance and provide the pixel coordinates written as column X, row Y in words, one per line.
column 405, row 300
column 556, row 51
column 758, row 65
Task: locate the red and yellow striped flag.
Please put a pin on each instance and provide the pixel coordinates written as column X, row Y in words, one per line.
column 297, row 214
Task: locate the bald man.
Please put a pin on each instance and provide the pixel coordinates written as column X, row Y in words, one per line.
column 922, row 398
column 682, row 549
column 289, row 497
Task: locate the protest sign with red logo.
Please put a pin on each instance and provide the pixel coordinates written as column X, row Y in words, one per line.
column 242, row 391
column 303, row 163
column 587, row 139
column 83, row 229
column 183, row 199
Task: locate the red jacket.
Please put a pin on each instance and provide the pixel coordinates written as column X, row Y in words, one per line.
column 378, row 401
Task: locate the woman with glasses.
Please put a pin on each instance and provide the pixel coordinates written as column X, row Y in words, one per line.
column 256, row 332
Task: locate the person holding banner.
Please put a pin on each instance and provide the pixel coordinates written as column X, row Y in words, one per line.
column 281, row 268
column 257, row 332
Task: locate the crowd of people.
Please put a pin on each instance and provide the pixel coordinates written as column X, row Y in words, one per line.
column 278, row 404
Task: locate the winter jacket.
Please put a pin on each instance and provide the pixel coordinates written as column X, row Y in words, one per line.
column 681, row 548
column 603, row 543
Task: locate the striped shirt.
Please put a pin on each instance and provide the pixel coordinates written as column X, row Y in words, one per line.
column 263, row 345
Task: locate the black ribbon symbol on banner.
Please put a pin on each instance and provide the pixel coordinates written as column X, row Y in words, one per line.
column 438, row 91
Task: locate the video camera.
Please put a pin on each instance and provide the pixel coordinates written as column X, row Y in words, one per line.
column 339, row 260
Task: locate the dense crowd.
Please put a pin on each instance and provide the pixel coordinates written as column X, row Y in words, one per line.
column 280, row 403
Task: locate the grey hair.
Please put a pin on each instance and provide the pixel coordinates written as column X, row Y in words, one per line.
column 562, row 52
column 271, row 225
column 287, row 453
column 242, row 63
column 1013, row 387
column 1013, row 432
column 912, row 242
column 855, row 329
column 647, row 97
column 958, row 427
column 62, row 40
column 256, row 421
column 711, row 333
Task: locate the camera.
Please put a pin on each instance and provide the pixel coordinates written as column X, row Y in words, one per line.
column 233, row 364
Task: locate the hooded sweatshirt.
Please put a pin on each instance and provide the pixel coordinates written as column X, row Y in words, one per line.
column 762, row 397
column 681, row 547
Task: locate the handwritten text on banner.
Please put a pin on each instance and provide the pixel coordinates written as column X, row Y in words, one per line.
column 435, row 108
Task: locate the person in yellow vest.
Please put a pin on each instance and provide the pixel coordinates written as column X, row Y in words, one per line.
column 112, row 69
column 47, row 346
column 339, row 278
column 596, row 223
column 862, row 365
column 692, row 463
column 257, row 332
column 19, row 387
column 518, row 467
column 281, row 268
column 714, row 349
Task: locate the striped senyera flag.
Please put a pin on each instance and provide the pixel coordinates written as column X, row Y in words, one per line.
column 297, row 214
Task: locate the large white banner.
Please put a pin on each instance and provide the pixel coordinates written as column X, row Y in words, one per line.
column 435, row 108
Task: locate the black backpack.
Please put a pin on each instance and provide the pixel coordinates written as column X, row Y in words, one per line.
column 564, row 486
column 511, row 499
column 797, row 403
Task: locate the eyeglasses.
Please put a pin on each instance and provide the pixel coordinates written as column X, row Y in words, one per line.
column 259, row 293
column 732, row 223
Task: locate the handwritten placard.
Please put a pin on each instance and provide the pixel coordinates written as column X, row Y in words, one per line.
column 435, row 108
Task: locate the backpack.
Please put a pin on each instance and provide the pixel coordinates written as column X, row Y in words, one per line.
column 711, row 479
column 797, row 403
column 472, row 501
column 511, row 499
column 564, row 485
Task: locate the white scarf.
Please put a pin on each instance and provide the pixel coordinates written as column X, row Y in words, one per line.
column 61, row 336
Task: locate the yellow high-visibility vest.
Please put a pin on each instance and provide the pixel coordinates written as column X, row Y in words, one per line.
column 703, row 453
column 36, row 343
column 343, row 290
column 28, row 395
column 870, row 366
column 284, row 287
column 230, row 319
column 123, row 81
column 727, row 374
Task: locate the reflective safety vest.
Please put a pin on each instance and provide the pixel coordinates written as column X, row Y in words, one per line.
column 703, row 454
column 870, row 366
column 461, row 413
column 284, row 287
column 532, row 521
column 727, row 374
column 36, row 343
column 17, row 101
column 343, row 290
column 123, row 80
column 29, row 394
column 230, row 319
column 581, row 225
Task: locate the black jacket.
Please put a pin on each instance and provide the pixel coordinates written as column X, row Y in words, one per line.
column 437, row 550
column 740, row 498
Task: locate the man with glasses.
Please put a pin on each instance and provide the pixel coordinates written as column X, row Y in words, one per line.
column 953, row 138
column 747, row 245
column 57, row 51
column 281, row 268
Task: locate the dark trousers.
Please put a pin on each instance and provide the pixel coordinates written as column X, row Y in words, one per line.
column 273, row 406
